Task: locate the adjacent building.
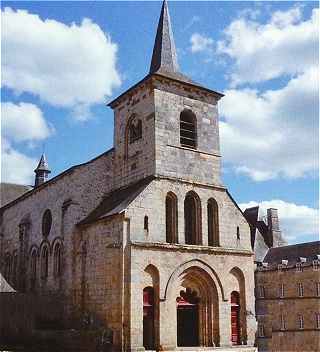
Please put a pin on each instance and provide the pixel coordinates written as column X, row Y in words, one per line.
column 288, row 299
column 144, row 239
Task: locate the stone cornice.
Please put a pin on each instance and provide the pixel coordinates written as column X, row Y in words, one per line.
column 191, row 248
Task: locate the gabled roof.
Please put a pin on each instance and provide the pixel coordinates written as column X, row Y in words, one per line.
column 292, row 253
column 116, row 201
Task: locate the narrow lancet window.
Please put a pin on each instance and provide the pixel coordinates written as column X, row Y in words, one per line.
column 171, row 218
column 213, row 223
column 192, row 219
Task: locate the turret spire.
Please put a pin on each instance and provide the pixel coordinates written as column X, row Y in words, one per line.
column 42, row 171
column 164, row 57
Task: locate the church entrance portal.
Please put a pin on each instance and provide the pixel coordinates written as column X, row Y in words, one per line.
column 188, row 319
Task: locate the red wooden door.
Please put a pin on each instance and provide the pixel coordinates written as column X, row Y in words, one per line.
column 235, row 318
column 148, row 319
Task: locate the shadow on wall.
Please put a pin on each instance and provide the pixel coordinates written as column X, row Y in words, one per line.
column 39, row 323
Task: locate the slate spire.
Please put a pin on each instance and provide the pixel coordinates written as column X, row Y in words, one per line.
column 164, row 56
column 42, row 171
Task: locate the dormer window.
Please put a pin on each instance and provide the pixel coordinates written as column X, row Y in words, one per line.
column 188, row 129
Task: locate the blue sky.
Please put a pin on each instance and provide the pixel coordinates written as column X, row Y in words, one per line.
column 63, row 61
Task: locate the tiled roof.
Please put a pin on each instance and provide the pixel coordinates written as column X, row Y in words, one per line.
column 116, row 201
column 292, row 253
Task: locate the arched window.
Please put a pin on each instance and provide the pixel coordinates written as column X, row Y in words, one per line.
column 33, row 268
column 213, row 223
column 171, row 218
column 188, row 129
column 134, row 129
column 57, row 257
column 46, row 223
column 192, row 219
column 44, row 262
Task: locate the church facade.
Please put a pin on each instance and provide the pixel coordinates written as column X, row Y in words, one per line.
column 144, row 238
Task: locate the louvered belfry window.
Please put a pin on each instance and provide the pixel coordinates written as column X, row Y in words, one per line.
column 188, row 129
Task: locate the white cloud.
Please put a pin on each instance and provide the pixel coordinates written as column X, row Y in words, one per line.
column 201, row 43
column 296, row 221
column 286, row 45
column 24, row 122
column 15, row 166
column 64, row 65
column 274, row 133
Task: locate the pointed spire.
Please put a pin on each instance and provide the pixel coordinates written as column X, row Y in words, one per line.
column 42, row 171
column 164, row 57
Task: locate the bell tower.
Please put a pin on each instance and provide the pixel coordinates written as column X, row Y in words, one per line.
column 167, row 125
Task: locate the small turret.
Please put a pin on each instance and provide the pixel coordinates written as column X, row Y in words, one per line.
column 42, row 171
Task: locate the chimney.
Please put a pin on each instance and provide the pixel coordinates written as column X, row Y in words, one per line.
column 275, row 234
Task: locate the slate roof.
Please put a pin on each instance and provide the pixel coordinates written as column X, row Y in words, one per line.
column 251, row 214
column 164, row 60
column 164, row 54
column 12, row 191
column 292, row 253
column 116, row 201
column 43, row 164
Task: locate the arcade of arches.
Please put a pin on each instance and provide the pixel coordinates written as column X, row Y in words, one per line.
column 195, row 293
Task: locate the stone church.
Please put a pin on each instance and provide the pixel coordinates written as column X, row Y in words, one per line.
column 144, row 238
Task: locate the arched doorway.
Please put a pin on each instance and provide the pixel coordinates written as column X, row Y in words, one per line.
column 148, row 319
column 188, row 318
column 235, row 318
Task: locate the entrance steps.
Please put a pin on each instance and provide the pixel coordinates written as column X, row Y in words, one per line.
column 214, row 349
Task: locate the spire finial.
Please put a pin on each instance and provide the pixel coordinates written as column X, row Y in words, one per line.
column 42, row 171
column 164, row 56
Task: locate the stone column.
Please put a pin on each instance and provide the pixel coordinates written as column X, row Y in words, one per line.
column 168, row 325
column 204, row 227
column 136, row 315
column 225, row 324
column 181, row 238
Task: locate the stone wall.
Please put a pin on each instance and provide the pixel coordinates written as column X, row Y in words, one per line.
column 231, row 264
column 98, row 278
column 171, row 262
column 198, row 165
column 69, row 196
column 134, row 161
column 151, row 203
